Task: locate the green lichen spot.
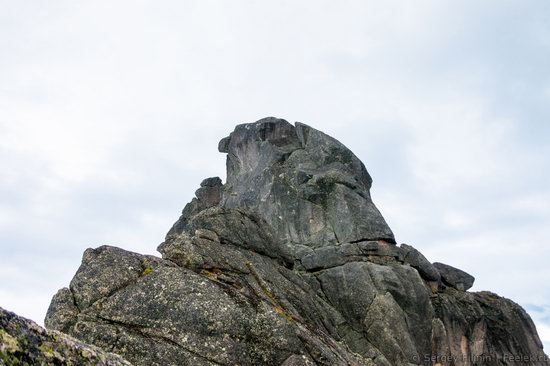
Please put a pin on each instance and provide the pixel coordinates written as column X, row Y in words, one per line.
column 86, row 353
column 8, row 359
column 24, row 342
column 212, row 274
column 46, row 350
column 147, row 271
column 8, row 344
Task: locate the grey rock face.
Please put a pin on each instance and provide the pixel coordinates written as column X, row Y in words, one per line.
column 240, row 228
column 23, row 342
column 308, row 186
column 418, row 261
column 208, row 195
column 171, row 315
column 64, row 311
column 489, row 329
column 288, row 263
column 455, row 277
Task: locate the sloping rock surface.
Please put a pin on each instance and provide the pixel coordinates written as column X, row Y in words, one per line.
column 23, row 342
column 287, row 263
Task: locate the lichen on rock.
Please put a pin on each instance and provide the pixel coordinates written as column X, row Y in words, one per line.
column 23, row 342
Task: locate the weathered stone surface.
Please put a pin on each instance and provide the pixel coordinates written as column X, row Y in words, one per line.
column 420, row 263
column 63, row 310
column 23, row 342
column 288, row 263
column 410, row 293
column 298, row 360
column 305, row 184
column 104, row 271
column 336, row 255
column 386, row 321
column 484, row 329
column 240, row 228
column 208, row 195
column 171, row 315
column 455, row 277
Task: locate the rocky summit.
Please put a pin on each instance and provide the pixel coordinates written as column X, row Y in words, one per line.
column 290, row 263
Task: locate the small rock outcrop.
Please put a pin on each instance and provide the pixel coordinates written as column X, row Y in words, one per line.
column 287, row 263
column 455, row 277
column 23, row 342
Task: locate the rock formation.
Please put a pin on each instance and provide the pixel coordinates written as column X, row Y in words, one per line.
column 287, row 263
column 23, row 342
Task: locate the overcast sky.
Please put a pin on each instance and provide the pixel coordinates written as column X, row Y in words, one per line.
column 111, row 111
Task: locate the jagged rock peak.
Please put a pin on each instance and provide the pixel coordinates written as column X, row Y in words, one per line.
column 306, row 185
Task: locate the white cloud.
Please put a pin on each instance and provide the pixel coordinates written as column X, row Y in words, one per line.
column 111, row 114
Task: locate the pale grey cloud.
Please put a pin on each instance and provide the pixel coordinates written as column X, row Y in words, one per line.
column 111, row 113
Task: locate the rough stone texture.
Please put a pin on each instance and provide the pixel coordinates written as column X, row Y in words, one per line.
column 288, row 263
column 208, row 195
column 484, row 328
column 455, row 277
column 23, row 342
column 420, row 263
column 172, row 315
column 308, row 186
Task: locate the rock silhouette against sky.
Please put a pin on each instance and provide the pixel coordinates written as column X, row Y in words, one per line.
column 287, row 263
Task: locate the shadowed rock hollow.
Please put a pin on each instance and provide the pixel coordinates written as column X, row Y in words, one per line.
column 287, row 263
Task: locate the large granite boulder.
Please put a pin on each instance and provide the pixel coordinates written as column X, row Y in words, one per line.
column 287, row 263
